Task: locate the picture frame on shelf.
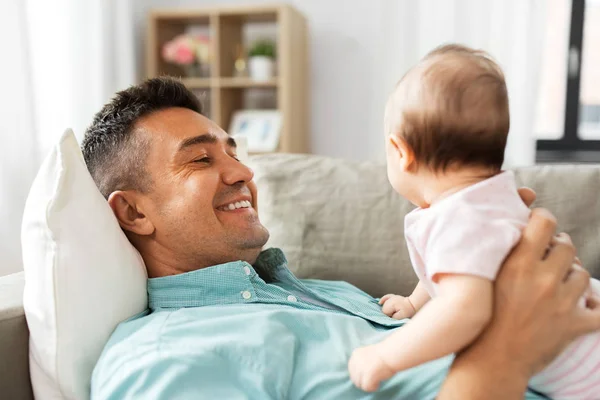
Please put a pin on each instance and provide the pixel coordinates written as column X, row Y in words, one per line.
column 260, row 128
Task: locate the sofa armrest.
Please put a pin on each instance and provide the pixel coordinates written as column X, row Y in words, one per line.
column 14, row 338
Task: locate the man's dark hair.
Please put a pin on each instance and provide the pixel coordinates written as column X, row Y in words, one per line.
column 115, row 155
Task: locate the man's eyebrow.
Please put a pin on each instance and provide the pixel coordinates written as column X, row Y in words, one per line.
column 204, row 139
column 200, row 139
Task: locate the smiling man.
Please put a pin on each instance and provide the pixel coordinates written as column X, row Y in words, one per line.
column 230, row 321
column 174, row 182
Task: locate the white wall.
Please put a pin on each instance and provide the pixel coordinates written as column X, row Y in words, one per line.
column 348, row 87
column 360, row 48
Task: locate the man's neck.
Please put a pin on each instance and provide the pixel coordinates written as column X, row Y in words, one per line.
column 161, row 262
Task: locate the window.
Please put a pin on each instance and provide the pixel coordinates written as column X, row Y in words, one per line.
column 589, row 97
column 568, row 110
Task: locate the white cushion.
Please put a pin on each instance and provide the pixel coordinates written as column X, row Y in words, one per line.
column 82, row 276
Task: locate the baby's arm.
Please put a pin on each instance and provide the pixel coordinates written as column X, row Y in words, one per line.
column 448, row 323
column 445, row 325
column 419, row 297
column 400, row 307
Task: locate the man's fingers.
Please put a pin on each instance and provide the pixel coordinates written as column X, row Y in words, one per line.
column 527, row 195
column 593, row 302
column 561, row 255
column 385, row 298
column 562, row 238
column 538, row 233
column 576, row 267
column 588, row 318
column 576, row 284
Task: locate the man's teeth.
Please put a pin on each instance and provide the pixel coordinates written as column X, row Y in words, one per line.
column 238, row 204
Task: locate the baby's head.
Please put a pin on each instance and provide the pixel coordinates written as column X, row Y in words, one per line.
column 448, row 113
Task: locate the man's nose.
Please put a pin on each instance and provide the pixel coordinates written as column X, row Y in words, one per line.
column 236, row 172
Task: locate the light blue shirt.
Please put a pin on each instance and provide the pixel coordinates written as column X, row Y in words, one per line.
column 234, row 331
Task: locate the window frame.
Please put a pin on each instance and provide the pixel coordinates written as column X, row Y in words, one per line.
column 570, row 147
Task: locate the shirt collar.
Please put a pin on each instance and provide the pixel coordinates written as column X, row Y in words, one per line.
column 219, row 284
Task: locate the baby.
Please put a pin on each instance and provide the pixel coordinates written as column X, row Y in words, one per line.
column 446, row 125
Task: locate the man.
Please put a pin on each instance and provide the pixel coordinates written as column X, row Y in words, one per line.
column 229, row 321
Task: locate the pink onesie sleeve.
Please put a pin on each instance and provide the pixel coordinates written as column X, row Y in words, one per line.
column 470, row 243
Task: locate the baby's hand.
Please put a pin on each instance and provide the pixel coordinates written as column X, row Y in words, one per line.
column 397, row 307
column 367, row 369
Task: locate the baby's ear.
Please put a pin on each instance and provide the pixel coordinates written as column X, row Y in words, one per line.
column 404, row 151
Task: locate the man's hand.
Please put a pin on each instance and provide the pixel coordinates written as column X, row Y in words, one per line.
column 367, row 368
column 537, row 291
column 527, row 195
column 398, row 307
column 535, row 316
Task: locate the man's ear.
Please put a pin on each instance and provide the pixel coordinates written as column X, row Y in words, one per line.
column 128, row 213
column 404, row 153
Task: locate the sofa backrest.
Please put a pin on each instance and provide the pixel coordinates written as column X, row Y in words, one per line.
column 341, row 220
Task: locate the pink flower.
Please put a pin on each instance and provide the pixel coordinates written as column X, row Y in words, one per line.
column 185, row 49
column 184, row 55
column 168, row 52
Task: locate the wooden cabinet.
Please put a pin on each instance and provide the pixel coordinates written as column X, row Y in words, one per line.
column 222, row 92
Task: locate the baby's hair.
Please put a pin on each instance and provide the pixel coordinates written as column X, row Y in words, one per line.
column 452, row 109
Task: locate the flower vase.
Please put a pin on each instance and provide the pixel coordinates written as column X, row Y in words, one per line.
column 261, row 68
column 193, row 70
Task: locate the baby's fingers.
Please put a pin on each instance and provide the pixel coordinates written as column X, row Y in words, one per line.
column 390, row 307
column 385, row 298
column 400, row 314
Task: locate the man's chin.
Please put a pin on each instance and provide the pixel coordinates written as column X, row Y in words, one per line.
column 258, row 238
column 252, row 246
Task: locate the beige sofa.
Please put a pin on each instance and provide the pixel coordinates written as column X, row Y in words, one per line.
column 339, row 220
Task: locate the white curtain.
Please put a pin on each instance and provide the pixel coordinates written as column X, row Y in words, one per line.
column 81, row 53
column 62, row 60
column 510, row 30
column 19, row 153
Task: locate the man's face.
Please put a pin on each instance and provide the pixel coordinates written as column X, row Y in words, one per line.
column 202, row 200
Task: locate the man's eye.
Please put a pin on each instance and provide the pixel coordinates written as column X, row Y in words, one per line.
column 203, row 160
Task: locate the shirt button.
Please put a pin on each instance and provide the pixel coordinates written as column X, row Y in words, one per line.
column 292, row 298
column 246, row 294
column 247, row 270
